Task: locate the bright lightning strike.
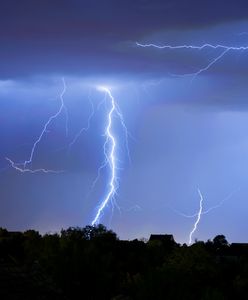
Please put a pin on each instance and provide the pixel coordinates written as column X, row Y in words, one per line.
column 224, row 49
column 198, row 218
column 109, row 150
column 23, row 167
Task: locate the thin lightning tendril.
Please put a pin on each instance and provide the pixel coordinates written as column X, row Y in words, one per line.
column 23, row 167
column 119, row 114
column 87, row 127
column 198, row 218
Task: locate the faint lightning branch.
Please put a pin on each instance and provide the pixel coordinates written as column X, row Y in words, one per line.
column 86, row 128
column 134, row 208
column 109, row 150
column 224, row 49
column 103, row 165
column 205, row 212
column 198, row 218
column 16, row 167
column 127, row 134
column 23, row 167
column 210, row 64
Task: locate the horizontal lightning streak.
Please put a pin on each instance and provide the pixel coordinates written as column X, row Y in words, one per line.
column 15, row 166
column 193, row 47
column 218, row 46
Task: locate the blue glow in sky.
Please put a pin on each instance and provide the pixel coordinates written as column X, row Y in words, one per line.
column 185, row 134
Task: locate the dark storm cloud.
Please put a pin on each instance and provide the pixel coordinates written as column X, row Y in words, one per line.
column 127, row 17
column 71, row 36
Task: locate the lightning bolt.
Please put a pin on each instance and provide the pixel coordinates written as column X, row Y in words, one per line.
column 23, row 167
column 224, row 50
column 198, row 218
column 109, row 149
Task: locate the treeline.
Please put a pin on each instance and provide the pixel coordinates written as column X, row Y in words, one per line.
column 92, row 263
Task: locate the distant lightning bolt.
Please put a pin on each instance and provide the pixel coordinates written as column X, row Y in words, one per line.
column 198, row 218
column 224, row 49
column 203, row 212
column 22, row 167
column 109, row 150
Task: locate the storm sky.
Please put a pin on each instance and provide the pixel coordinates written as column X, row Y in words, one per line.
column 185, row 133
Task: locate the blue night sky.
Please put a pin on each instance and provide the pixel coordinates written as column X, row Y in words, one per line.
column 184, row 134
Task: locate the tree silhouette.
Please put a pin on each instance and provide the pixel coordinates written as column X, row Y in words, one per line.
column 92, row 263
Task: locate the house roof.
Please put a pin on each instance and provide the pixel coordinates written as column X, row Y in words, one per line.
column 162, row 237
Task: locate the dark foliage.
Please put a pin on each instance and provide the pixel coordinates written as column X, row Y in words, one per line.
column 92, row 263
